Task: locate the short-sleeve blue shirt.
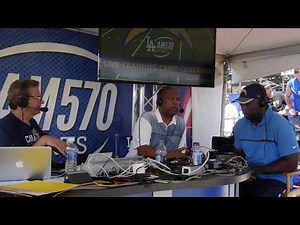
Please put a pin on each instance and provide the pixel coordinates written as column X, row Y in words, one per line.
column 13, row 132
column 266, row 142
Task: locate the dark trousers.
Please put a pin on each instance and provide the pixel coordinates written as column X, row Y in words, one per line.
column 261, row 188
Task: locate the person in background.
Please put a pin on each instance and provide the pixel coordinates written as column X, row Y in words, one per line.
column 292, row 98
column 276, row 98
column 231, row 116
column 164, row 124
column 268, row 143
column 18, row 127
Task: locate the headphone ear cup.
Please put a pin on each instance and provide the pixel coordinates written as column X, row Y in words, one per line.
column 23, row 101
column 264, row 102
column 261, row 103
column 159, row 101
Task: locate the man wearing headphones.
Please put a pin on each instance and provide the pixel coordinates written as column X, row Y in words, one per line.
column 163, row 124
column 267, row 141
column 18, row 127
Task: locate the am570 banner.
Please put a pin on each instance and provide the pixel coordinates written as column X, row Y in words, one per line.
column 65, row 63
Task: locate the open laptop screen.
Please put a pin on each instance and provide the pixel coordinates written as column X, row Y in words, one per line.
column 223, row 144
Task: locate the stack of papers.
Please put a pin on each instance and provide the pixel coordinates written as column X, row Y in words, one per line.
column 37, row 187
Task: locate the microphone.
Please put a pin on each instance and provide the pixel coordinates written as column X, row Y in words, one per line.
column 181, row 110
column 44, row 109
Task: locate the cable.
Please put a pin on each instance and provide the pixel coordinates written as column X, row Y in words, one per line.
column 203, row 164
column 236, row 164
column 102, row 167
column 125, row 172
column 148, row 162
column 194, row 172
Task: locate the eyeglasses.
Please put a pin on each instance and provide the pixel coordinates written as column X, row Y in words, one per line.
column 36, row 97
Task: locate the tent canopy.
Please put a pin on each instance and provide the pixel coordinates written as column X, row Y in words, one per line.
column 253, row 52
column 258, row 52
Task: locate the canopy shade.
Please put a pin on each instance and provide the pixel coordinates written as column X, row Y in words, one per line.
column 254, row 52
column 258, row 52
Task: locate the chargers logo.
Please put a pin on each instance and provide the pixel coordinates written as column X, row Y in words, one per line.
column 244, row 92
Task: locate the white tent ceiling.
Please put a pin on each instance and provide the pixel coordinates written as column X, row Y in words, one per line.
column 258, row 52
column 246, row 40
column 253, row 52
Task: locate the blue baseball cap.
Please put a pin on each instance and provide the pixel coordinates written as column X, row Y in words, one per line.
column 251, row 92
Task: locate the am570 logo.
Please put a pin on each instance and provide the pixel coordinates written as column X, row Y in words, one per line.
column 107, row 102
column 161, row 47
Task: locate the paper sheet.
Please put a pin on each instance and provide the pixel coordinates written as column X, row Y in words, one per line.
column 38, row 187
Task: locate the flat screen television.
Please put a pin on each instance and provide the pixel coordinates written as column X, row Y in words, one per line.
column 174, row 56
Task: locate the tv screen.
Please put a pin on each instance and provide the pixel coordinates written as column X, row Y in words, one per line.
column 175, row 56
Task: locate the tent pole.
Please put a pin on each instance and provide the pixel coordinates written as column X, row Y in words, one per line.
column 226, row 78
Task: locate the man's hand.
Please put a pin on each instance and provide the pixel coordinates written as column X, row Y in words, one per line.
column 180, row 153
column 47, row 140
column 292, row 112
column 254, row 174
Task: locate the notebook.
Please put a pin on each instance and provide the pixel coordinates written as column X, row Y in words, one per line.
column 22, row 163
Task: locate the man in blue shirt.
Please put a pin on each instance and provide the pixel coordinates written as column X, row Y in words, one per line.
column 18, row 127
column 267, row 141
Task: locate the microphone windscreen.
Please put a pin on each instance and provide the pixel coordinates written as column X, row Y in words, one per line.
column 181, row 110
column 44, row 109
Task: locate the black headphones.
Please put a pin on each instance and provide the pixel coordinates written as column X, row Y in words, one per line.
column 23, row 96
column 264, row 101
column 159, row 100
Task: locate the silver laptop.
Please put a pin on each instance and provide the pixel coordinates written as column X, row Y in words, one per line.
column 22, row 163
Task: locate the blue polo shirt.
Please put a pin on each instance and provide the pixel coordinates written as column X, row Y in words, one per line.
column 271, row 139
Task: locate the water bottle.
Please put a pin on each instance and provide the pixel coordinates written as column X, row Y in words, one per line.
column 161, row 152
column 196, row 154
column 71, row 152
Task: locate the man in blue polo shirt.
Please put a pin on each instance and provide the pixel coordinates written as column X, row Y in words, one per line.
column 267, row 141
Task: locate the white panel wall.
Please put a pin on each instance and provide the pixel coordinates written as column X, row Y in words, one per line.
column 207, row 109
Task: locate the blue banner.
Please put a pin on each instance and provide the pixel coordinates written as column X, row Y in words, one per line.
column 65, row 63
